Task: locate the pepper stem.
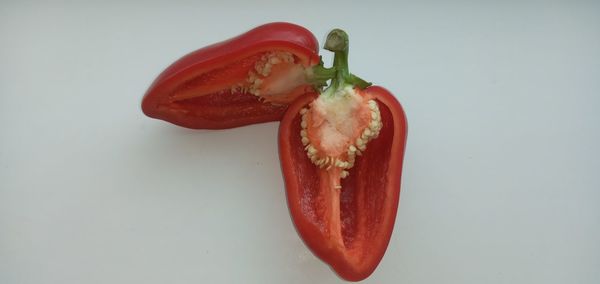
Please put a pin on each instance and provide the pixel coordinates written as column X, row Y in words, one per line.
column 338, row 42
column 320, row 75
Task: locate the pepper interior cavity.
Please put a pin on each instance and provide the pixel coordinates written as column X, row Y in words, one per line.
column 275, row 77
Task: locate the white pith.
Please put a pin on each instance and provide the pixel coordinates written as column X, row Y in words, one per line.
column 337, row 111
column 284, row 83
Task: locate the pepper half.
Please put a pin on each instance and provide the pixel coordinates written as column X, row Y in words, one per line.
column 249, row 79
column 341, row 154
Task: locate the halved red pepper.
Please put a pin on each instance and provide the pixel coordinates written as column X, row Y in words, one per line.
column 344, row 203
column 248, row 79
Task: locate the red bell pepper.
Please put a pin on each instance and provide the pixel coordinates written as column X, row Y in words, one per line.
column 248, row 79
column 341, row 155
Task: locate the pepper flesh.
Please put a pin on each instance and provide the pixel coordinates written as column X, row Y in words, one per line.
column 364, row 209
column 345, row 219
column 211, row 88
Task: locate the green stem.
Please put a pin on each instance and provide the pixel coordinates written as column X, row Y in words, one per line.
column 338, row 42
column 320, row 74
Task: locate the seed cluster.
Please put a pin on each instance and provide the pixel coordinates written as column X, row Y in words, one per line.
column 262, row 69
column 360, row 145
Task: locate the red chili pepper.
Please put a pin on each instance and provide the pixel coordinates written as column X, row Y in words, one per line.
column 341, row 155
column 248, row 79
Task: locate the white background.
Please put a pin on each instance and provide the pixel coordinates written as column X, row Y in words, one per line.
column 502, row 172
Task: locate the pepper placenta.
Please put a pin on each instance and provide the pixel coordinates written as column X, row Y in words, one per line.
column 341, row 154
column 248, row 79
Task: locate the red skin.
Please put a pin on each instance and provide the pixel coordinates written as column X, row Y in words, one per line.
column 202, row 72
column 369, row 197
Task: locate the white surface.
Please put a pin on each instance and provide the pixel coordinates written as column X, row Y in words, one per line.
column 501, row 181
